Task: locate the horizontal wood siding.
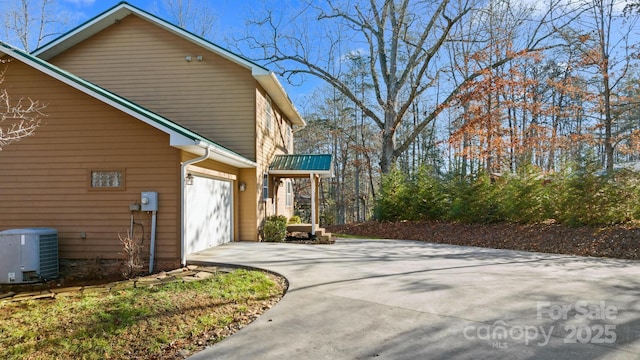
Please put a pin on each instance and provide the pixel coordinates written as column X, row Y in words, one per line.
column 270, row 142
column 146, row 64
column 45, row 178
column 249, row 201
column 282, row 208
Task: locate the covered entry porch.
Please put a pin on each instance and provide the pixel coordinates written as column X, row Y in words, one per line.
column 305, row 166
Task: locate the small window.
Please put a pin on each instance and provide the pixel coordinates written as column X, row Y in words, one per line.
column 289, row 140
column 289, row 198
column 265, row 187
column 268, row 113
column 107, row 179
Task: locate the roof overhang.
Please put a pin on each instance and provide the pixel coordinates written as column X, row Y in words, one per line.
column 272, row 86
column 302, row 165
column 219, row 154
column 264, row 77
column 179, row 137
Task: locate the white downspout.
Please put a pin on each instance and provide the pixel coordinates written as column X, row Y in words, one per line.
column 183, row 212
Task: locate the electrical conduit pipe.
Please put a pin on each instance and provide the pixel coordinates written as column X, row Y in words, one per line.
column 152, row 246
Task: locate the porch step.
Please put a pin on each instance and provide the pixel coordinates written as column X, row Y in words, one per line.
column 325, row 237
column 306, row 228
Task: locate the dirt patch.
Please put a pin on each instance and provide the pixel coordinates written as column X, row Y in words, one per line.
column 622, row 242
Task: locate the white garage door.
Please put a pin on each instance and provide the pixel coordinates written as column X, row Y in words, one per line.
column 209, row 220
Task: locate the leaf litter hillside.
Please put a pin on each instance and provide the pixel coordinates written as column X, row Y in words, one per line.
column 620, row 241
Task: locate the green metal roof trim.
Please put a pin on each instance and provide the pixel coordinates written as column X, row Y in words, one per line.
column 302, row 164
column 148, row 114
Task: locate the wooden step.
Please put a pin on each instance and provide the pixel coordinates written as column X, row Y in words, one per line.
column 306, row 228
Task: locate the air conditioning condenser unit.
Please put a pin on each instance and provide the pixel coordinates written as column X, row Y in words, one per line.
column 28, row 255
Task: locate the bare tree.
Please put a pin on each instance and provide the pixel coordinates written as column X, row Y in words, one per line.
column 18, row 118
column 604, row 36
column 195, row 16
column 405, row 53
column 632, row 6
column 31, row 22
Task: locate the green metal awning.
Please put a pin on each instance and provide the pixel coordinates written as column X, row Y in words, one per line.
column 299, row 165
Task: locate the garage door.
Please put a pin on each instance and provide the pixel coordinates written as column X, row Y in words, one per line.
column 209, row 220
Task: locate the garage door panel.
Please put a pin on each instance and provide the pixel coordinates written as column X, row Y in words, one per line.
column 209, row 216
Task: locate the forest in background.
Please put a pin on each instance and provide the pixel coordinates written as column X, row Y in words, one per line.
column 567, row 111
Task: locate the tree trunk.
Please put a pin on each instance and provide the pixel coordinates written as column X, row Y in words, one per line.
column 608, row 124
column 388, row 158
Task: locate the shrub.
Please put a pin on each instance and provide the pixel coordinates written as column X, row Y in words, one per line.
column 428, row 196
column 131, row 264
column 472, row 200
column 275, row 228
column 295, row 219
column 587, row 198
column 525, row 198
column 392, row 202
column 581, row 197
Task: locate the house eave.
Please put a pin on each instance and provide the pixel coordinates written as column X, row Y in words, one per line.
column 272, row 86
column 82, row 32
column 218, row 154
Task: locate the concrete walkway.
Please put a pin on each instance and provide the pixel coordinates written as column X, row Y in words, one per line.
column 360, row 299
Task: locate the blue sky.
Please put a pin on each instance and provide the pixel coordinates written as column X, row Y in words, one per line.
column 230, row 15
column 226, row 10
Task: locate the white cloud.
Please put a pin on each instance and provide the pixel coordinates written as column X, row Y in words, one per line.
column 80, row 3
column 542, row 5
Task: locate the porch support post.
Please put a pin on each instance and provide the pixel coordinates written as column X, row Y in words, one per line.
column 312, row 177
column 317, row 184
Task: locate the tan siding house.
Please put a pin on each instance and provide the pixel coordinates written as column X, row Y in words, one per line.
column 149, row 107
column 46, row 178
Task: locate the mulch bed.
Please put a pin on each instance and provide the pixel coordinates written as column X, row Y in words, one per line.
column 618, row 241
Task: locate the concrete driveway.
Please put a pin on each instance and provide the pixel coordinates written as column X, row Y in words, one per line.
column 360, row 299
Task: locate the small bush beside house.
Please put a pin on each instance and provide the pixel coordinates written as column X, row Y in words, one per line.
column 275, row 228
column 295, row 219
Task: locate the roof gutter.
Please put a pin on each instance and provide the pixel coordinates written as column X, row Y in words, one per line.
column 225, row 156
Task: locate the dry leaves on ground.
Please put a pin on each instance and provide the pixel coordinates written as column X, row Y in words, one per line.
column 614, row 241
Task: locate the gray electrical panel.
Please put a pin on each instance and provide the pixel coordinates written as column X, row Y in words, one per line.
column 149, row 201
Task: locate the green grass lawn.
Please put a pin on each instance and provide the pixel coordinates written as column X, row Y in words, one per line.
column 134, row 323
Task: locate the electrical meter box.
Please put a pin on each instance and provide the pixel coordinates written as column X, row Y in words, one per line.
column 149, row 201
